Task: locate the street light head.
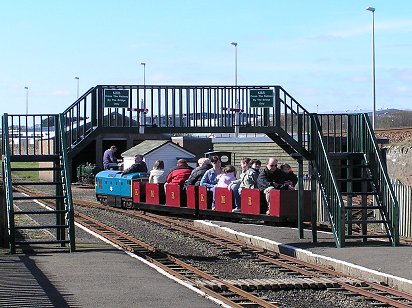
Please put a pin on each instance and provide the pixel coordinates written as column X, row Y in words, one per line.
column 143, row 63
column 26, row 88
column 76, row 78
column 371, row 9
column 234, row 44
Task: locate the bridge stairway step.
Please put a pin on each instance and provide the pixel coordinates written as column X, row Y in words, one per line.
column 29, row 183
column 354, row 179
column 358, row 207
column 36, row 169
column 366, row 221
column 359, row 193
column 35, row 158
column 50, row 242
column 346, row 155
column 38, row 227
column 59, row 219
column 40, row 212
column 366, row 236
column 363, row 166
column 39, row 197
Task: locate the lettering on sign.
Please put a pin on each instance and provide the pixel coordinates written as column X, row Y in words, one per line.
column 116, row 98
column 202, row 197
column 249, row 200
column 261, row 98
column 152, row 193
column 173, row 195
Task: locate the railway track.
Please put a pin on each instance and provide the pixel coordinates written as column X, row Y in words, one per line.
column 306, row 275
column 303, row 275
column 225, row 292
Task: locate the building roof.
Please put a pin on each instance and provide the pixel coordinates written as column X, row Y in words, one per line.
column 148, row 146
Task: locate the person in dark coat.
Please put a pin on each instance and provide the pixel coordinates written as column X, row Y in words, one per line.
column 138, row 166
column 180, row 173
column 290, row 178
column 198, row 172
column 271, row 178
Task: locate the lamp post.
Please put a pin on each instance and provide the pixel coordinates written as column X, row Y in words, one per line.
column 372, row 9
column 27, row 100
column 78, row 81
column 144, row 73
column 235, row 44
column 143, row 104
column 237, row 106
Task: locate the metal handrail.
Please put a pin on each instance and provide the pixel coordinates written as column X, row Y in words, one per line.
column 327, row 179
column 67, row 183
column 87, row 93
column 387, row 198
column 187, row 107
column 8, row 185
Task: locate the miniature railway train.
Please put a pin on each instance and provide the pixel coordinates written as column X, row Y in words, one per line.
column 133, row 191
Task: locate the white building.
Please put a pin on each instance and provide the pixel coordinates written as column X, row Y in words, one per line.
column 153, row 150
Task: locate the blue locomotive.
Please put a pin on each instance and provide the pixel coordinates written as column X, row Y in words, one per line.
column 116, row 189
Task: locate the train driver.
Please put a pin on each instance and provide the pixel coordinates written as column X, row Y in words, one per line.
column 138, row 166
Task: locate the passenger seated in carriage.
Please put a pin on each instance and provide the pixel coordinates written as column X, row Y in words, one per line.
column 234, row 186
column 180, row 173
column 157, row 174
column 271, row 178
column 209, row 179
column 224, row 179
column 291, row 179
column 195, row 177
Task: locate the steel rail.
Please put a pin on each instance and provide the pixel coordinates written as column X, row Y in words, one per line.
column 128, row 242
column 281, row 260
column 268, row 256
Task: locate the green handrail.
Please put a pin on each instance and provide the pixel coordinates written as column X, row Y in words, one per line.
column 326, row 177
column 67, row 183
column 8, row 185
column 386, row 197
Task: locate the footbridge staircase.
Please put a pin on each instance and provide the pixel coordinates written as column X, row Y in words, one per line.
column 342, row 150
column 22, row 160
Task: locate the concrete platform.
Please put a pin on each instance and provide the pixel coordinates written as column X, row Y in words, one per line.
column 375, row 261
column 99, row 275
column 96, row 275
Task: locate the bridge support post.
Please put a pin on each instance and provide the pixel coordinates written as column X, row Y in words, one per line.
column 237, row 119
column 142, row 117
column 4, row 238
column 300, row 198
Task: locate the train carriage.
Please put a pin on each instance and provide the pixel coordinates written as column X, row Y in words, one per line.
column 133, row 191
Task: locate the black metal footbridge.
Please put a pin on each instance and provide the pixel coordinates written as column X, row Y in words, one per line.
column 341, row 149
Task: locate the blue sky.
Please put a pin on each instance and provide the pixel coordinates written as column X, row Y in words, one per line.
column 320, row 51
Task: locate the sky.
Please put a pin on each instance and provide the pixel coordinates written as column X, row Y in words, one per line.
column 319, row 51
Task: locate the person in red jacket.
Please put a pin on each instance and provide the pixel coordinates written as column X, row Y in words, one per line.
column 180, row 173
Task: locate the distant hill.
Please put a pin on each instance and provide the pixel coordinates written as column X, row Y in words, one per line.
column 393, row 118
column 387, row 111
